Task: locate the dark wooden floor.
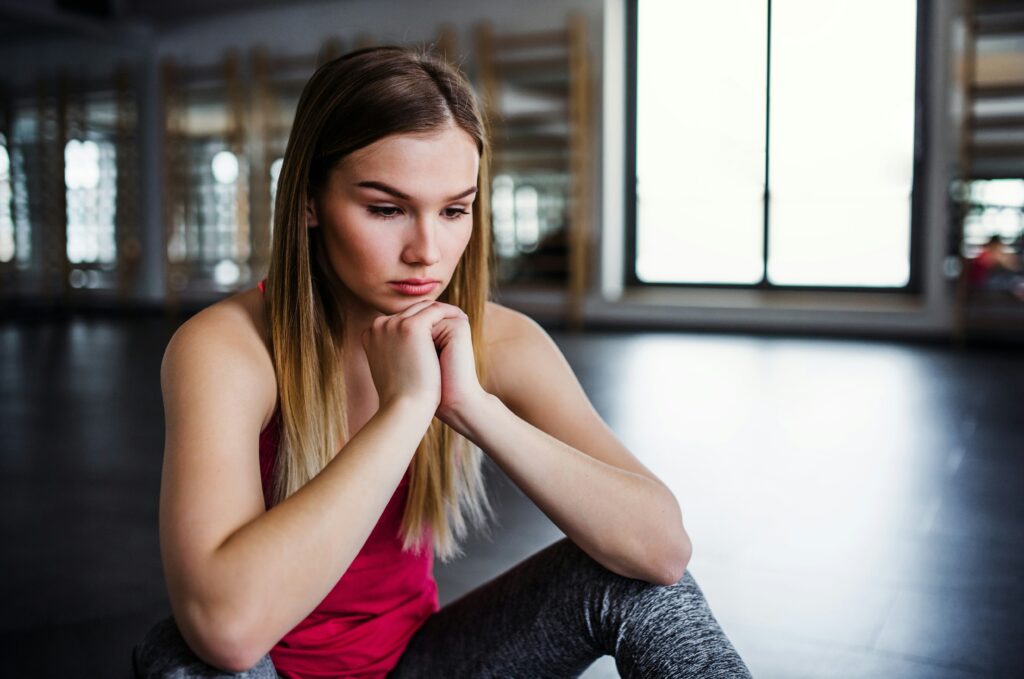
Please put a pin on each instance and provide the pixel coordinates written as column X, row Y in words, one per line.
column 856, row 507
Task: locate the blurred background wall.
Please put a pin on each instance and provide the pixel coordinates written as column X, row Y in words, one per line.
column 141, row 140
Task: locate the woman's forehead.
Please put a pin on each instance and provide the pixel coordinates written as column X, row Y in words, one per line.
column 434, row 164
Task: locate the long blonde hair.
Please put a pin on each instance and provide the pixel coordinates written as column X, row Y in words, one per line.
column 347, row 104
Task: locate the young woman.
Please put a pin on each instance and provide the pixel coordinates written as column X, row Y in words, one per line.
column 371, row 374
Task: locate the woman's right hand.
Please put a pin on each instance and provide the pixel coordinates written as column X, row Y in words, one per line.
column 401, row 353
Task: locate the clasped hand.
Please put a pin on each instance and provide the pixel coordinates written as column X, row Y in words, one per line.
column 424, row 352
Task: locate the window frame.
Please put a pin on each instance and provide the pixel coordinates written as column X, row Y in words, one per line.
column 920, row 149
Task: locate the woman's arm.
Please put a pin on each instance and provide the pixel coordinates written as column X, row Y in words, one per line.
column 239, row 578
column 541, row 429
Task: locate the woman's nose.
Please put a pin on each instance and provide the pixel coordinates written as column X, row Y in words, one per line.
column 422, row 247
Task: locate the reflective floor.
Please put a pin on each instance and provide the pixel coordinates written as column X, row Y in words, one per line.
column 856, row 507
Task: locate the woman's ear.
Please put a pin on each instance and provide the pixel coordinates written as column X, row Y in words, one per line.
column 311, row 218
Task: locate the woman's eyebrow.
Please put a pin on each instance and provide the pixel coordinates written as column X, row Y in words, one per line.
column 381, row 186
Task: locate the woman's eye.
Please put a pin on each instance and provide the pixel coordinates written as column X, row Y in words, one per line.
column 455, row 212
column 390, row 211
column 384, row 211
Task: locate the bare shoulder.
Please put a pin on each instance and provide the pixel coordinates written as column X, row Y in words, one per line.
column 503, row 325
column 226, row 339
column 517, row 346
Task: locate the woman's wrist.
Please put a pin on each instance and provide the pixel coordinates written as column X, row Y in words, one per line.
column 408, row 406
column 467, row 416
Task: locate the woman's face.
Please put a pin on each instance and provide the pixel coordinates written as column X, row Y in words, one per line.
column 399, row 209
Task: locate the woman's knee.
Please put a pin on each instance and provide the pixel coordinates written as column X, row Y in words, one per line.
column 686, row 587
column 634, row 597
column 578, row 561
column 613, row 599
column 164, row 654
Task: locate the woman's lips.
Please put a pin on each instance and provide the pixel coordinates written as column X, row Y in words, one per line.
column 412, row 288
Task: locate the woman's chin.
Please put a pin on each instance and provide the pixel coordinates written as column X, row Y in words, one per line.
column 398, row 304
column 391, row 302
column 406, row 302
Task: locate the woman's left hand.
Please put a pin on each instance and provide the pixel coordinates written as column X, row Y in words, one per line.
column 460, row 386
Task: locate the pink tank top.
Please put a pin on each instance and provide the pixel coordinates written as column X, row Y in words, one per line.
column 365, row 622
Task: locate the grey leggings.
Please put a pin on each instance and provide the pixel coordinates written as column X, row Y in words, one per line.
column 551, row 615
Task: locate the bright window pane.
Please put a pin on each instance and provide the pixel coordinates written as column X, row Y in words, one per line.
column 842, row 134
column 700, row 140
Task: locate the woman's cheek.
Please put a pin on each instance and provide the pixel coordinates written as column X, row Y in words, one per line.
column 466, row 235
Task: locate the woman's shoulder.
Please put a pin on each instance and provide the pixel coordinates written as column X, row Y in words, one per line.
column 237, row 322
column 512, row 339
column 503, row 325
column 231, row 336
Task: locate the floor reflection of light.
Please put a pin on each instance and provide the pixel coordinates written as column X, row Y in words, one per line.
column 797, row 456
column 95, row 368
